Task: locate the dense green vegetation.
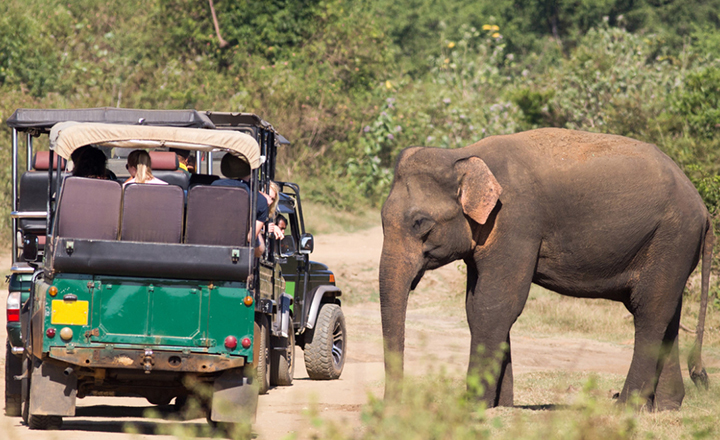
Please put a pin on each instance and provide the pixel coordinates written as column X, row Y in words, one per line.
column 352, row 83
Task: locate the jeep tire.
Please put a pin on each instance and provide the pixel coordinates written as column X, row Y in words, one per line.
column 325, row 345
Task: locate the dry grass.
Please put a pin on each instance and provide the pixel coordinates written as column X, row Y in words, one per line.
column 323, row 219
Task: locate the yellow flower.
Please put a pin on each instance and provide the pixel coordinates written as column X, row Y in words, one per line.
column 496, row 35
column 388, row 84
column 451, row 44
column 486, row 27
column 447, row 60
column 494, row 27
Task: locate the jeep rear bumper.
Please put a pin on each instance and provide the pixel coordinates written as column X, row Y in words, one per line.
column 146, row 359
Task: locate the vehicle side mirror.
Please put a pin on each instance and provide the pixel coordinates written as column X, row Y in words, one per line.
column 307, row 243
column 30, row 247
column 287, row 246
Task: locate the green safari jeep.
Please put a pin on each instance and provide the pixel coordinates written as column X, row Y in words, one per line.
column 145, row 290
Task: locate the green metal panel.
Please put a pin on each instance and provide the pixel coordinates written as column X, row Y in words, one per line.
column 148, row 312
column 165, row 314
column 229, row 316
column 176, row 311
column 120, row 309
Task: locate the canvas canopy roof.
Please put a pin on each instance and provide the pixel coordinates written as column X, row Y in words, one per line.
column 66, row 137
column 44, row 119
column 230, row 120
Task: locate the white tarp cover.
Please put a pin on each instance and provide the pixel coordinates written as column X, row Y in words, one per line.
column 66, row 137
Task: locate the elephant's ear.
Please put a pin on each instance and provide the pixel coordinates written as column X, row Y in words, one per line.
column 478, row 190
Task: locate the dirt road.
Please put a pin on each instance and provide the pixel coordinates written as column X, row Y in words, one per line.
column 437, row 335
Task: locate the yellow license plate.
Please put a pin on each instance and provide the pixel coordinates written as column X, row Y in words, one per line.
column 69, row 312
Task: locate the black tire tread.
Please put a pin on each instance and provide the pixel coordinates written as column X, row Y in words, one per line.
column 318, row 349
column 45, row 422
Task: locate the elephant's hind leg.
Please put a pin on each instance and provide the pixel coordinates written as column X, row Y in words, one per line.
column 655, row 369
column 670, row 390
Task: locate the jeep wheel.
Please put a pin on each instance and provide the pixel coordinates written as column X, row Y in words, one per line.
column 261, row 353
column 13, row 396
column 325, row 346
column 282, row 366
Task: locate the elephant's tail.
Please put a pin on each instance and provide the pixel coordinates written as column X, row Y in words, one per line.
column 695, row 363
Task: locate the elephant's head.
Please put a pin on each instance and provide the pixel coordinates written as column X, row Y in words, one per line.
column 437, row 204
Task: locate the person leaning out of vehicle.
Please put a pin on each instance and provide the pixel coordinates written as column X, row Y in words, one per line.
column 272, row 198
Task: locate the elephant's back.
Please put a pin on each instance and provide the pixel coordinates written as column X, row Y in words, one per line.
column 554, row 169
column 569, row 147
column 557, row 156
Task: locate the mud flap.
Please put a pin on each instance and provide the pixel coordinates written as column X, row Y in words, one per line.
column 52, row 392
column 235, row 398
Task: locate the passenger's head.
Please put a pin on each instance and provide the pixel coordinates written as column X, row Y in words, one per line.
column 183, row 155
column 281, row 222
column 273, row 197
column 75, row 155
column 140, row 166
column 234, row 168
column 90, row 162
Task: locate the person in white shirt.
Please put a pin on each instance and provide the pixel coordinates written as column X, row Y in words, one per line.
column 139, row 166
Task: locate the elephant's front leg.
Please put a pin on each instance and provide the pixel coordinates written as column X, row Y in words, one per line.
column 494, row 301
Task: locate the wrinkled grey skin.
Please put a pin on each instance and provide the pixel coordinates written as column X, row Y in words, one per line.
column 585, row 215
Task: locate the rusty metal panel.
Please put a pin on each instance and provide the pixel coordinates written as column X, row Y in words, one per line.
column 141, row 359
column 235, row 398
column 52, row 392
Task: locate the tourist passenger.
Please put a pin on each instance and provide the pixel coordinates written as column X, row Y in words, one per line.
column 139, row 165
column 281, row 222
column 89, row 161
column 277, row 228
column 183, row 159
column 272, row 198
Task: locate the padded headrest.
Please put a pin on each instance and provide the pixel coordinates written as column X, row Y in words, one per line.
column 41, row 162
column 164, row 160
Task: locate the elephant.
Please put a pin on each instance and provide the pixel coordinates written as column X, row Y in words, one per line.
column 582, row 214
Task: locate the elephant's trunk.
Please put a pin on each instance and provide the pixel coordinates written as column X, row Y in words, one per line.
column 398, row 269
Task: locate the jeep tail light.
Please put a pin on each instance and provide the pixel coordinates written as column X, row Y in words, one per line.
column 332, row 278
column 231, row 342
column 246, row 342
column 13, row 307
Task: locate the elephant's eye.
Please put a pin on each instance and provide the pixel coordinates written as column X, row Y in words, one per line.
column 422, row 225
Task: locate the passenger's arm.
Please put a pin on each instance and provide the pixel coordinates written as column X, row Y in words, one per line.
column 260, row 248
